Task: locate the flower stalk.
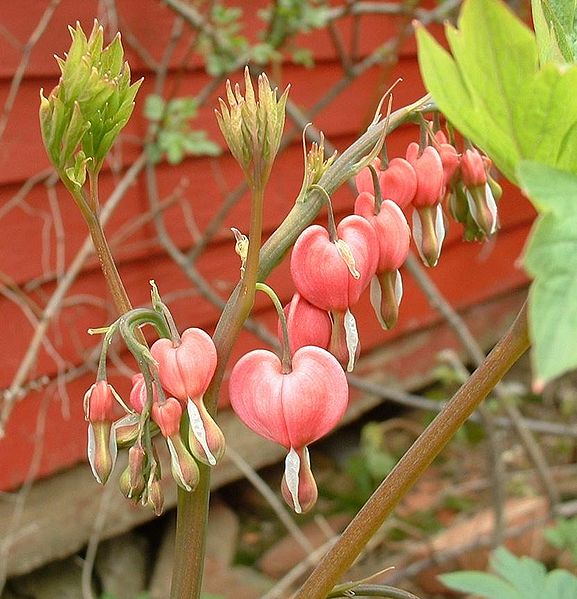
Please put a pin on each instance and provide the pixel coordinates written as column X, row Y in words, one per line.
column 416, row 460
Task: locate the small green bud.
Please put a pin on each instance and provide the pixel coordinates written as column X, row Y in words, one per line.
column 253, row 126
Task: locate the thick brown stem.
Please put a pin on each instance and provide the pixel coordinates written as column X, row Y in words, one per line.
column 417, row 459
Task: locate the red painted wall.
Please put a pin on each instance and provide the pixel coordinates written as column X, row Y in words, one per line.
column 46, row 431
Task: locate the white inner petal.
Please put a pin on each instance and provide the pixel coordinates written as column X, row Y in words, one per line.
column 398, row 287
column 376, row 297
column 92, row 451
column 292, row 466
column 352, row 338
column 197, row 427
column 176, row 469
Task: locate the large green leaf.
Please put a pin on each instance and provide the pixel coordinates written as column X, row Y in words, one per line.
column 555, row 28
column 514, row 578
column 492, row 89
column 551, row 259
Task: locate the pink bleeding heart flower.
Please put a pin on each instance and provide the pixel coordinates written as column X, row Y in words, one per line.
column 428, row 220
column 473, row 170
column 429, row 170
column 167, row 414
column 394, row 238
column 399, row 182
column 292, row 408
column 306, row 324
column 332, row 274
column 185, row 370
column 137, row 398
column 364, row 178
column 449, row 158
column 99, row 403
column 482, row 205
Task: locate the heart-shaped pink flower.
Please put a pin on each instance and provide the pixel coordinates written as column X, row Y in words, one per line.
column 293, row 409
column 333, row 274
column 185, row 371
column 306, row 324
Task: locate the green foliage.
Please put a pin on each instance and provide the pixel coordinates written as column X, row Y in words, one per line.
column 550, row 260
column 174, row 137
column 85, row 112
column 506, row 90
column 556, row 29
column 493, row 90
column 564, row 535
column 514, row 578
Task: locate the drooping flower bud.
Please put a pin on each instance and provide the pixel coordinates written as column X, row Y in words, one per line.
column 333, row 274
column 364, row 178
column 478, row 191
column 137, row 398
column 394, row 238
column 428, row 221
column 185, row 371
column 399, row 182
column 330, row 275
column 473, row 170
column 293, row 409
column 167, row 415
column 306, row 324
column 99, row 411
column 133, row 480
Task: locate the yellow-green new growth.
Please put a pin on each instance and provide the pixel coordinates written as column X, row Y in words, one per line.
column 83, row 114
column 253, row 126
column 315, row 164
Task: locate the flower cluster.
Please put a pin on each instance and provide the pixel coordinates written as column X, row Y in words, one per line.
column 167, row 395
column 296, row 400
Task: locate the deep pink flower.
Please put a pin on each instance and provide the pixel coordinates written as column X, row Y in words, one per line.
column 318, row 266
column 185, row 371
column 429, row 169
column 391, row 228
column 306, row 324
column 399, row 182
column 293, row 409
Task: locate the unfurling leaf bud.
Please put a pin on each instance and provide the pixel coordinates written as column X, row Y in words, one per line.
column 84, row 113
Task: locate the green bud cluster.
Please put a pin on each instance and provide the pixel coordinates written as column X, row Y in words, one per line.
column 84, row 113
column 253, row 127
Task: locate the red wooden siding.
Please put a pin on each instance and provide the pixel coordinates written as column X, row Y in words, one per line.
column 51, row 421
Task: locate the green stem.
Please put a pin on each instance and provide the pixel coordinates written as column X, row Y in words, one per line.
column 192, row 508
column 416, row 460
column 107, row 264
column 286, row 352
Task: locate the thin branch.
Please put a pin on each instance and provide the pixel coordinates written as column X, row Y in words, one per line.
column 21, row 69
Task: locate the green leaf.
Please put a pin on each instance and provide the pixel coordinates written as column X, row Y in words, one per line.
column 550, row 260
column 554, row 29
column 481, row 584
column 492, row 90
column 560, row 585
column 520, row 578
column 154, row 107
